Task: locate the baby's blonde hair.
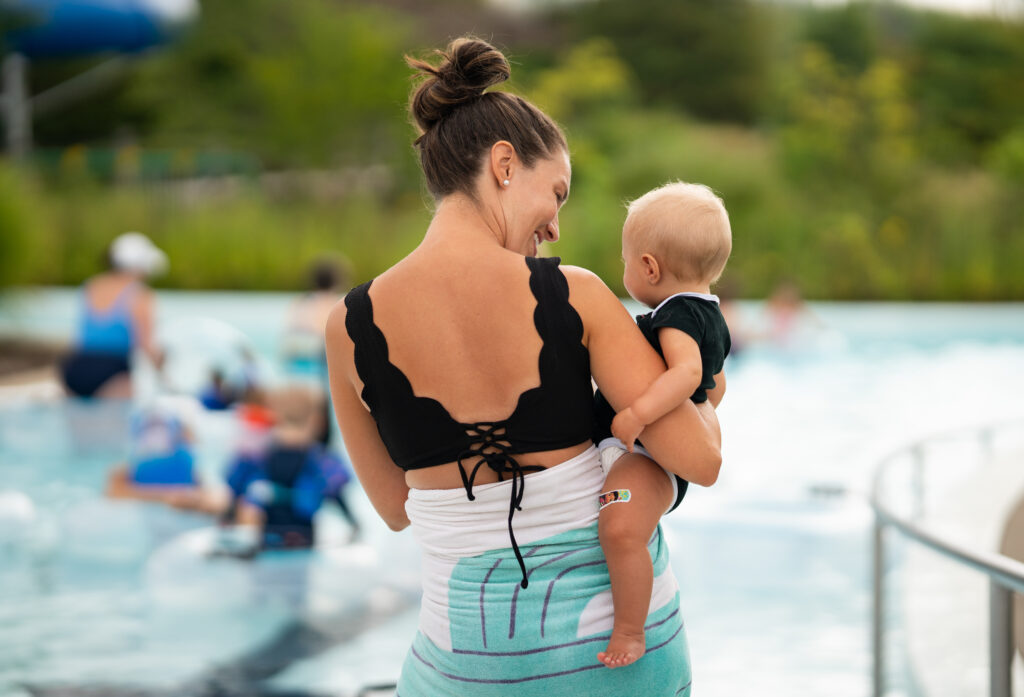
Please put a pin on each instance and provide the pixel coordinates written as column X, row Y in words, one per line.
column 686, row 228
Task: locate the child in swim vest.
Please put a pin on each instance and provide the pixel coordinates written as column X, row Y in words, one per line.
column 675, row 243
column 277, row 489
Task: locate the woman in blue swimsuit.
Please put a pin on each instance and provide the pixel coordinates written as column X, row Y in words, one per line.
column 116, row 318
column 461, row 379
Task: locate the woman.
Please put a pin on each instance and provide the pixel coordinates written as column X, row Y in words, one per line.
column 116, row 318
column 468, row 365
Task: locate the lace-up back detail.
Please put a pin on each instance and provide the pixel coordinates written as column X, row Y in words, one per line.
column 419, row 432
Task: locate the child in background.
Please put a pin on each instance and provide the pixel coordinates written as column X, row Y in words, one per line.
column 277, row 491
column 254, row 419
column 303, row 345
column 303, row 350
column 161, row 461
column 675, row 243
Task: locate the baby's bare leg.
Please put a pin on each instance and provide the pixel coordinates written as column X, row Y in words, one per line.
column 625, row 528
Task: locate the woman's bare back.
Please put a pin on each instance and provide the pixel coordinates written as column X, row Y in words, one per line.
column 485, row 357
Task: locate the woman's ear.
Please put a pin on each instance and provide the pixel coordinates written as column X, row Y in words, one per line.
column 503, row 163
column 652, row 272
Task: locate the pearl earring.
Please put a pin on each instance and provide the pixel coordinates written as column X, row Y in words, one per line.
column 506, row 182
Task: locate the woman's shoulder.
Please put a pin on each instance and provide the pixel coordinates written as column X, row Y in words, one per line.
column 335, row 329
column 107, row 289
column 586, row 289
column 579, row 275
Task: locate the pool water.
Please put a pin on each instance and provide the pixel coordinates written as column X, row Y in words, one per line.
column 115, row 598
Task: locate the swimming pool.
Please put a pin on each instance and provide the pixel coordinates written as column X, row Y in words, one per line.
column 100, row 597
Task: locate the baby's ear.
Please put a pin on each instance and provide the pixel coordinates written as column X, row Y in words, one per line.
column 652, row 272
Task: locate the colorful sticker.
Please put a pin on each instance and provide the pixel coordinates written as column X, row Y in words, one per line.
column 616, row 496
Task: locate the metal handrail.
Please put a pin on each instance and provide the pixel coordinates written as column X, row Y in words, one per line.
column 1005, row 574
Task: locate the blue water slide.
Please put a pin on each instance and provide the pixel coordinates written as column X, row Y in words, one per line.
column 63, row 28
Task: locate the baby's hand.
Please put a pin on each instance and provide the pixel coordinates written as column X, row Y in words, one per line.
column 627, row 427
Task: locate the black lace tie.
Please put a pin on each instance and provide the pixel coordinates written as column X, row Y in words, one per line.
column 488, row 444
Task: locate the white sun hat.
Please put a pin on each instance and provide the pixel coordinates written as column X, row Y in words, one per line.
column 134, row 252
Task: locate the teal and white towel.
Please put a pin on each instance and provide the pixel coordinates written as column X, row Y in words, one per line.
column 480, row 633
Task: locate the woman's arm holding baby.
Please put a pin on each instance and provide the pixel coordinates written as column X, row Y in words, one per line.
column 685, row 441
column 672, row 388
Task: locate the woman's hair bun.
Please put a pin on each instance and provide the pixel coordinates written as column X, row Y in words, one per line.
column 468, row 67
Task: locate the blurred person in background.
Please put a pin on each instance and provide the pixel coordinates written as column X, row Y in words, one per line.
column 276, row 492
column 461, row 380
column 728, row 292
column 303, row 346
column 232, row 382
column 785, row 312
column 786, row 323
column 116, row 318
column 161, row 464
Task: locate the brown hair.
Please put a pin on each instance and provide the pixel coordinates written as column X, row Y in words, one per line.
column 458, row 121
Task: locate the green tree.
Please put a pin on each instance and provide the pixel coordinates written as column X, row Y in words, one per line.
column 591, row 77
column 708, row 58
column 967, row 77
column 846, row 32
column 848, row 129
column 307, row 82
column 1006, row 157
column 20, row 221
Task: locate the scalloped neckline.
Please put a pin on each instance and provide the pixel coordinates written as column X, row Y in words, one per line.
column 423, row 398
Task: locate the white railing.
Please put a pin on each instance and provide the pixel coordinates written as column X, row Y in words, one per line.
column 1006, row 575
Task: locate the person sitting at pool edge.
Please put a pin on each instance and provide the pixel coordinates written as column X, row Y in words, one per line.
column 161, row 464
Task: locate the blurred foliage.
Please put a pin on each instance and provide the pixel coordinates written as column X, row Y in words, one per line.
column 17, row 221
column 968, row 83
column 591, row 78
column 865, row 151
column 846, row 131
column 302, row 83
column 706, row 58
column 1007, row 156
column 234, row 239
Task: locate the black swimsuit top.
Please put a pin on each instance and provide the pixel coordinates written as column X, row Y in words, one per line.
column 419, row 432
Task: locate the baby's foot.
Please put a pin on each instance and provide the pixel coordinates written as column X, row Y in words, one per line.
column 623, row 649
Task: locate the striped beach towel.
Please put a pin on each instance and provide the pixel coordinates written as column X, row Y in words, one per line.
column 481, row 633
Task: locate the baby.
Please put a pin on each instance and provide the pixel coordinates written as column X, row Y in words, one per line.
column 675, row 243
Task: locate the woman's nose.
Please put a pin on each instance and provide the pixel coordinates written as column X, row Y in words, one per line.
column 551, row 231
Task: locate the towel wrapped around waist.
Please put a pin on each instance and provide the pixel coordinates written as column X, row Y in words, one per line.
column 481, row 633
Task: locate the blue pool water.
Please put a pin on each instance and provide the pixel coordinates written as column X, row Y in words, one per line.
column 102, row 597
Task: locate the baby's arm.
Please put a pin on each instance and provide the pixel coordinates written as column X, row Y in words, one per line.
column 716, row 393
column 674, row 386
